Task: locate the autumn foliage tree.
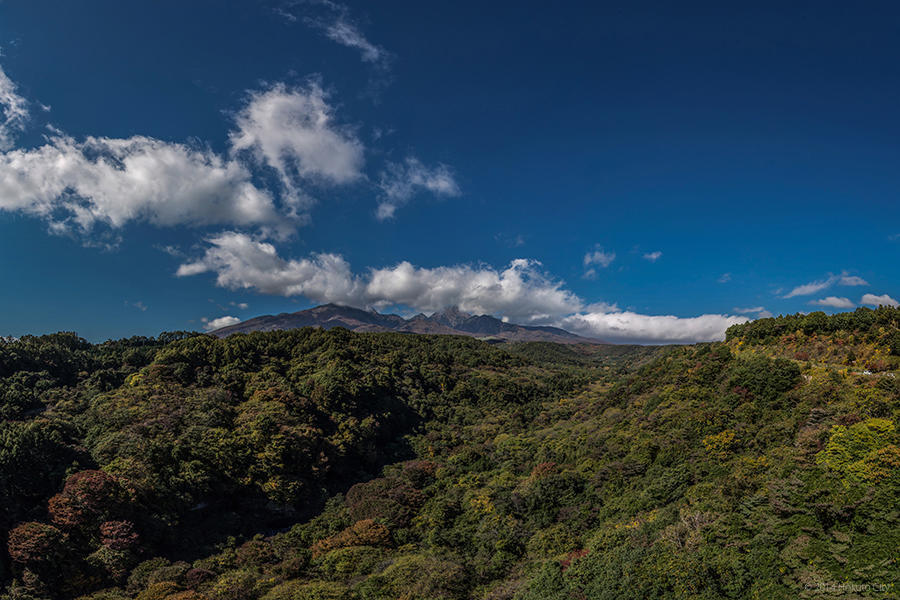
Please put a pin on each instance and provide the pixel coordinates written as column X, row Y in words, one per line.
column 35, row 544
column 88, row 499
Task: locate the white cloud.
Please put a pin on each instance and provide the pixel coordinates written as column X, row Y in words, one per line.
column 293, row 132
column 883, row 300
column 242, row 262
column 522, row 292
column 653, row 256
column 851, row 280
column 724, row 278
column 810, row 288
column 814, row 287
column 759, row 311
column 400, row 182
column 347, row 34
column 599, row 257
column 630, row 327
column 213, row 324
column 834, row 302
column 14, row 109
column 335, row 22
column 76, row 186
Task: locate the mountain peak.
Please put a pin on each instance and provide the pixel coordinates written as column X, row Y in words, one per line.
column 450, row 321
column 451, row 316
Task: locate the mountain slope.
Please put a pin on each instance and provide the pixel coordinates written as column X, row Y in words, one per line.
column 447, row 322
column 197, row 468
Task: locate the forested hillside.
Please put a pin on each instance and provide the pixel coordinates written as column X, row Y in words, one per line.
column 314, row 464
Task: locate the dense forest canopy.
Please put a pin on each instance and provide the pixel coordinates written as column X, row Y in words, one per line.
column 336, row 465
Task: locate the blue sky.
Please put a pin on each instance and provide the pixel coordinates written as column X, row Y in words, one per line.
column 641, row 172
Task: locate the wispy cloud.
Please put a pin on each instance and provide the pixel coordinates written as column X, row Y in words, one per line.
column 401, row 181
column 511, row 241
column 347, row 34
column 14, row 110
column 814, row 287
column 599, row 257
column 334, row 21
column 653, row 256
column 746, row 311
column 759, row 311
column 724, row 278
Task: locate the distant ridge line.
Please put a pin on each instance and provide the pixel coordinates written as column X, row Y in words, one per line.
column 450, row 321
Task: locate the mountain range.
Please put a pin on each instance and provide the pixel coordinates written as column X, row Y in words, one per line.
column 450, row 322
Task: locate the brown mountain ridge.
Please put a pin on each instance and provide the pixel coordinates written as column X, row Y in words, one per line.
column 450, row 322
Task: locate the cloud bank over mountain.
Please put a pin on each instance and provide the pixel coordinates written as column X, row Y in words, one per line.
column 521, row 292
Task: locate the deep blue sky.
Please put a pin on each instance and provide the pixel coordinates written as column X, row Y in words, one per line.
column 755, row 147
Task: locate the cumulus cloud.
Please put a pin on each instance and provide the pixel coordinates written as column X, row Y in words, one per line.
column 883, row 300
column 213, row 324
column 401, row 181
column 630, row 327
column 814, row 287
column 652, row 256
column 14, row 109
column 521, row 292
column 293, row 132
column 834, row 302
column 78, row 185
column 243, row 262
